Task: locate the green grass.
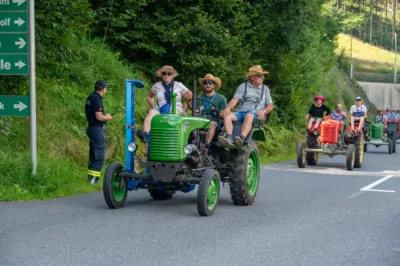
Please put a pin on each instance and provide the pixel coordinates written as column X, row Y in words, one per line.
column 366, row 57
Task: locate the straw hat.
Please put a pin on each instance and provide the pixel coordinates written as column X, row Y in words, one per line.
column 169, row 69
column 255, row 70
column 210, row 77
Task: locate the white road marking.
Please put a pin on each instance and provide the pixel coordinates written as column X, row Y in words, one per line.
column 368, row 188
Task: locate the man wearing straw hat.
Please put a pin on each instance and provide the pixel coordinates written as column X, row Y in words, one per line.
column 211, row 85
column 255, row 103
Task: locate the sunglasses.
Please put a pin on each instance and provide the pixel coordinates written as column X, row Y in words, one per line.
column 166, row 74
column 208, row 83
column 260, row 76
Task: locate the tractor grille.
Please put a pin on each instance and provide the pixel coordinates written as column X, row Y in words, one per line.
column 164, row 145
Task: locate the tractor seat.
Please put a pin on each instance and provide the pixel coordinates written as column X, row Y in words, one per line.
column 256, row 126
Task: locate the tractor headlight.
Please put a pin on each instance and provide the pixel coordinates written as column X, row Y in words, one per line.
column 189, row 148
column 132, row 147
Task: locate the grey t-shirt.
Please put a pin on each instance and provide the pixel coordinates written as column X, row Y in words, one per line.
column 253, row 97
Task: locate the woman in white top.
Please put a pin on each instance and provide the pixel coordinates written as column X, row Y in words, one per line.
column 162, row 90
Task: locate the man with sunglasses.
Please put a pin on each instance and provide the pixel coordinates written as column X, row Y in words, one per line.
column 255, row 103
column 211, row 85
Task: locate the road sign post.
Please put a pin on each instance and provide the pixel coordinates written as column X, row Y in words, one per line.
column 17, row 57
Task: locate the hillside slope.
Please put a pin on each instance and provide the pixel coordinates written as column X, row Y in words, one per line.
column 370, row 63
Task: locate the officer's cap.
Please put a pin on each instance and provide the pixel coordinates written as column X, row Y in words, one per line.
column 100, row 84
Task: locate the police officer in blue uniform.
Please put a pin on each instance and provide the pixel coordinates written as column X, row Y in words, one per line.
column 96, row 130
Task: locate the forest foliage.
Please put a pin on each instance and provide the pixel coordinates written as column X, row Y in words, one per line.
column 80, row 41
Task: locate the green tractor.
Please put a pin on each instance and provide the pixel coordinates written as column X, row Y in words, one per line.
column 178, row 159
column 377, row 136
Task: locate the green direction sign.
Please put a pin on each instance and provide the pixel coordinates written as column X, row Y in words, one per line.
column 14, row 105
column 13, row 21
column 14, row 43
column 14, row 64
column 6, row 5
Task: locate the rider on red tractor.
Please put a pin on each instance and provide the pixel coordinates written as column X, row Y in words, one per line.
column 358, row 113
column 316, row 113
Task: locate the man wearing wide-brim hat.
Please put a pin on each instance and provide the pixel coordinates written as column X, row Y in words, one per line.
column 212, row 100
column 255, row 103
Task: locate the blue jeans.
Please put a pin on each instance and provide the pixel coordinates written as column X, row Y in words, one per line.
column 158, row 110
column 240, row 115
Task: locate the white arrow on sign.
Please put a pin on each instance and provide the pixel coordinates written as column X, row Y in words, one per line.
column 20, row 106
column 21, row 43
column 20, row 64
column 19, row 2
column 19, row 22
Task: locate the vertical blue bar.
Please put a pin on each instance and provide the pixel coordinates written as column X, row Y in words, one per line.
column 129, row 158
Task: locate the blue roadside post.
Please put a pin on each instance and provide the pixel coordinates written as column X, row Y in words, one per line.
column 130, row 121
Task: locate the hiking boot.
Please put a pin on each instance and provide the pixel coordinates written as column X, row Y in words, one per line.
column 225, row 141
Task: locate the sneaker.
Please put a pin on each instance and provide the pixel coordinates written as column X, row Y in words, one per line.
column 238, row 142
column 315, row 132
column 226, row 142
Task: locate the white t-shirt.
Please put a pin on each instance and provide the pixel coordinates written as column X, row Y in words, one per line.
column 179, row 89
column 356, row 109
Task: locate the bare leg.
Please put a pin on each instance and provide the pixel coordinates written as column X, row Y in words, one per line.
column 361, row 123
column 211, row 132
column 310, row 122
column 317, row 122
column 147, row 120
column 352, row 123
column 246, row 127
column 228, row 123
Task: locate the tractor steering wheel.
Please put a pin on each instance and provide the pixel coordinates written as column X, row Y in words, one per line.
column 213, row 111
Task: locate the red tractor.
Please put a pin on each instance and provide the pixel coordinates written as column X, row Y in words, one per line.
column 333, row 141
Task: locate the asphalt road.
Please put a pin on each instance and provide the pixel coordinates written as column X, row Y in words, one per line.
column 313, row 216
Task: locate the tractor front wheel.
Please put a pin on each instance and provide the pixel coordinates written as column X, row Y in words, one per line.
column 301, row 155
column 244, row 174
column 350, row 157
column 390, row 149
column 115, row 187
column 359, row 152
column 208, row 193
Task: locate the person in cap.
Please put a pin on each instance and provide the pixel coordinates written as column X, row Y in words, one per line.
column 358, row 112
column 211, row 85
column 316, row 113
column 255, row 103
column 162, row 90
column 97, row 120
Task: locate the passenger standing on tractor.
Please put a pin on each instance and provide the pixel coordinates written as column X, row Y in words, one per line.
column 211, row 85
column 96, row 119
column 255, row 103
column 163, row 90
column 358, row 113
column 316, row 113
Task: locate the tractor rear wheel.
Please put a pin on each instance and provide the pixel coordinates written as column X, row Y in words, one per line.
column 115, row 188
column 208, row 192
column 244, row 174
column 350, row 157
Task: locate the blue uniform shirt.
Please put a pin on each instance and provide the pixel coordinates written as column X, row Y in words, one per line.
column 94, row 104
